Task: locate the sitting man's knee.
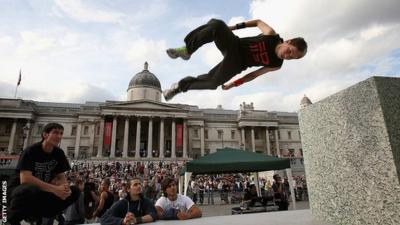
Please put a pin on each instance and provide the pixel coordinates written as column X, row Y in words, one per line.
column 25, row 189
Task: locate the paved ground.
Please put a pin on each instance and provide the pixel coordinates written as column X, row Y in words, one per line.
column 225, row 209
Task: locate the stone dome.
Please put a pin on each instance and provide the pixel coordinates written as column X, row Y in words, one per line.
column 145, row 79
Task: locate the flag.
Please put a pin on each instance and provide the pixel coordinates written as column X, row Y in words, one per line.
column 19, row 78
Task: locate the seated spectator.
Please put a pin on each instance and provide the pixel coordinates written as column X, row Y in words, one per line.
column 75, row 213
column 279, row 193
column 106, row 198
column 134, row 209
column 251, row 195
column 173, row 206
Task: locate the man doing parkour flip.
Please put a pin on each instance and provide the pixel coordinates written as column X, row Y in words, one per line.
column 267, row 50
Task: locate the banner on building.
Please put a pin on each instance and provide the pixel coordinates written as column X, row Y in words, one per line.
column 107, row 133
column 179, row 136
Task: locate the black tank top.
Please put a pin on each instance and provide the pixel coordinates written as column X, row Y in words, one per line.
column 260, row 50
column 107, row 204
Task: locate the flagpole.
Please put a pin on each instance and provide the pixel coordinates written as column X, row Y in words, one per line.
column 15, row 94
column 18, row 83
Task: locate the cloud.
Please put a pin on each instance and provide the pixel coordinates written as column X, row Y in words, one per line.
column 193, row 22
column 84, row 13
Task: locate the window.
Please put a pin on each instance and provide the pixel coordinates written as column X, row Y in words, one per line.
column 8, row 129
column 73, row 130
column 70, row 151
column 279, row 135
column 86, row 130
column 39, row 129
column 256, row 135
column 196, row 133
column 205, row 134
column 232, row 134
column 220, row 134
column 289, row 134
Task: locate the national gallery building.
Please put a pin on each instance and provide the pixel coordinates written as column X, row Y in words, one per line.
column 145, row 128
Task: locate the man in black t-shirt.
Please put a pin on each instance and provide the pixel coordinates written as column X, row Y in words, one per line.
column 267, row 50
column 40, row 188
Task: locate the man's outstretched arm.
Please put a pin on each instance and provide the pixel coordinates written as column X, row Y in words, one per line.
column 265, row 28
column 248, row 77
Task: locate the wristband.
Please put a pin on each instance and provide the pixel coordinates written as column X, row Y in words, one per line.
column 139, row 219
column 240, row 25
column 238, row 82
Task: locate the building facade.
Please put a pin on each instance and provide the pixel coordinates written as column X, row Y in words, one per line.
column 145, row 128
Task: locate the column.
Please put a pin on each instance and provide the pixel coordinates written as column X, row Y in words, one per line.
column 126, row 138
column 243, row 138
column 162, row 138
column 137, row 147
column 173, row 139
column 12, row 137
column 91, row 139
column 202, row 140
column 27, row 133
column 253, row 143
column 267, row 140
column 78, row 140
column 278, row 150
column 150, row 139
column 113, row 137
column 239, row 139
column 185, row 139
column 101, row 136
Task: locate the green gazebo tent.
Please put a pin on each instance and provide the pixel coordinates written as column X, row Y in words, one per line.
column 230, row 160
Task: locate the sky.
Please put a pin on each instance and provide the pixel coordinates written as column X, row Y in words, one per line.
column 77, row 51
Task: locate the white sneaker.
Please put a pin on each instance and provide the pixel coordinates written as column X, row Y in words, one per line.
column 170, row 93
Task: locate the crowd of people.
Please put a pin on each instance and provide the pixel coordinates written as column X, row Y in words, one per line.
column 121, row 192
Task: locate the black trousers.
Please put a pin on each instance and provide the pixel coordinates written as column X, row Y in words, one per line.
column 229, row 44
column 27, row 201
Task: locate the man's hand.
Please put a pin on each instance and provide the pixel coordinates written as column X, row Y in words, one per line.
column 129, row 219
column 183, row 216
column 228, row 86
column 62, row 191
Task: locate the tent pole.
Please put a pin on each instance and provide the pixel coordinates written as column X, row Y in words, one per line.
column 290, row 179
column 180, row 185
column 186, row 182
column 257, row 183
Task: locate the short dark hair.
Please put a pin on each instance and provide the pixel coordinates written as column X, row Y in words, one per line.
column 276, row 176
column 132, row 179
column 166, row 182
column 107, row 181
column 299, row 43
column 51, row 126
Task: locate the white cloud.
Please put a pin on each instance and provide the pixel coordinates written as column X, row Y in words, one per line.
column 78, row 11
column 193, row 22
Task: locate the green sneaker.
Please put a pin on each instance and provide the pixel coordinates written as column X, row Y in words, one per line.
column 178, row 52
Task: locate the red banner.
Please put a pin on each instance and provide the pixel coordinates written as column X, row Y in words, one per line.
column 107, row 133
column 179, row 135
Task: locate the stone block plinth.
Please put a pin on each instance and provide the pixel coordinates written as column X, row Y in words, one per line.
column 351, row 146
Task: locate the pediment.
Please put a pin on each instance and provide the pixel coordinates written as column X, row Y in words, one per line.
column 142, row 105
